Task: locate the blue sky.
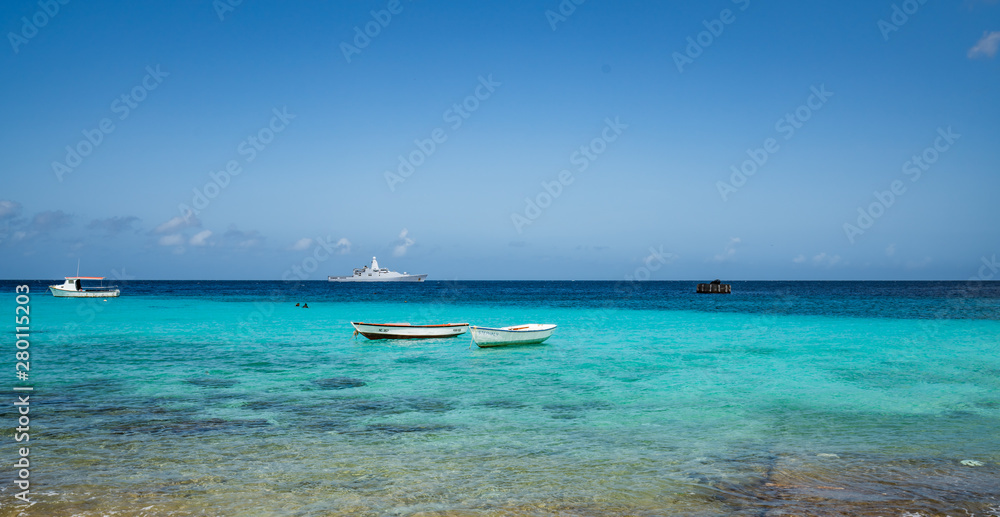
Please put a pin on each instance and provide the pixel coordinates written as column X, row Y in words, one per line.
column 488, row 105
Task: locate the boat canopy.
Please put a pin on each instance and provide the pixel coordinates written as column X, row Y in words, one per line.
column 84, row 277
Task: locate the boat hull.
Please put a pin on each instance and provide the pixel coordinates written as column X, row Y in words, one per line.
column 66, row 293
column 532, row 334
column 406, row 331
column 401, row 278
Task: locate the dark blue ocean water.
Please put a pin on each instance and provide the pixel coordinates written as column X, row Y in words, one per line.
column 896, row 299
column 783, row 398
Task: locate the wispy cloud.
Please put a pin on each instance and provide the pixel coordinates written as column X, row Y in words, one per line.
column 918, row 264
column 341, row 247
column 177, row 223
column 729, row 252
column 820, row 260
column 302, row 244
column 50, row 221
column 987, row 46
column 200, row 238
column 241, row 239
column 171, row 240
column 9, row 209
column 9, row 220
column 826, row 260
column 113, row 225
column 403, row 243
column 890, row 250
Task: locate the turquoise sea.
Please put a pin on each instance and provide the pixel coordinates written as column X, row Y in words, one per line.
column 783, row 398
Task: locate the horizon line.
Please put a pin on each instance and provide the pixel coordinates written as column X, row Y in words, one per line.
column 493, row 280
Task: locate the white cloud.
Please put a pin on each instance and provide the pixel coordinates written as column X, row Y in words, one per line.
column 403, row 244
column 302, row 244
column 113, row 225
column 50, row 221
column 343, row 246
column 819, row 260
column 986, row 46
column 177, row 223
column 730, row 250
column 9, row 209
column 200, row 238
column 171, row 240
column 826, row 260
column 890, row 250
column 918, row 264
column 241, row 239
column 43, row 224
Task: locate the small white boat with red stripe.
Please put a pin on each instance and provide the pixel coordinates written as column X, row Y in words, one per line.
column 408, row 331
column 527, row 334
column 73, row 288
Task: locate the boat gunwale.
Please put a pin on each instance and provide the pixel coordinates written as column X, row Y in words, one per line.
column 519, row 328
column 407, row 325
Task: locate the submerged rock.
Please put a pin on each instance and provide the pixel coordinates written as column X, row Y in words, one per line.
column 502, row 404
column 581, row 406
column 370, row 407
column 212, row 382
column 264, row 405
column 339, row 383
column 185, row 426
column 402, row 428
column 428, row 405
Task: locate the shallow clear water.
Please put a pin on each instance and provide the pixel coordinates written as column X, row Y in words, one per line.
column 784, row 398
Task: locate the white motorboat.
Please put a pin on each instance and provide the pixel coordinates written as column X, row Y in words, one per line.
column 72, row 288
column 407, row 331
column 527, row 334
column 373, row 273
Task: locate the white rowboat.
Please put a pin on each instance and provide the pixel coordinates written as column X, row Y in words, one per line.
column 527, row 334
column 407, row 331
